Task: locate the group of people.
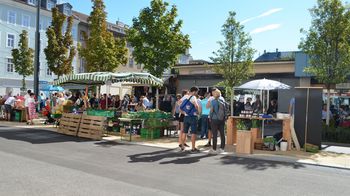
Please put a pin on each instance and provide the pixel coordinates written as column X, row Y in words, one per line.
column 27, row 102
column 208, row 114
column 256, row 106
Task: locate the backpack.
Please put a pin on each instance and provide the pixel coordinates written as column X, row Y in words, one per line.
column 188, row 107
column 222, row 111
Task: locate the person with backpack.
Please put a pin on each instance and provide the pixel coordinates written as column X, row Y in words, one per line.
column 217, row 119
column 189, row 105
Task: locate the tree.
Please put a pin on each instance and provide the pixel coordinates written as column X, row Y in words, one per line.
column 157, row 38
column 102, row 52
column 234, row 58
column 23, row 58
column 327, row 44
column 60, row 50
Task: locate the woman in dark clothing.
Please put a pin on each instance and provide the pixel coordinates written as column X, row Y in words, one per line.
column 273, row 107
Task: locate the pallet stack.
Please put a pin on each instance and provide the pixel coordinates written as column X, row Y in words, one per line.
column 69, row 124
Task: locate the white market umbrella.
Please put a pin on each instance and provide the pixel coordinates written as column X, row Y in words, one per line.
column 264, row 84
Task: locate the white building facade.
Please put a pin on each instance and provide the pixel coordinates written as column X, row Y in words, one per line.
column 16, row 16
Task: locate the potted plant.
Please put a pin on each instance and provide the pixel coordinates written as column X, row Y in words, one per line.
column 256, row 133
column 244, row 137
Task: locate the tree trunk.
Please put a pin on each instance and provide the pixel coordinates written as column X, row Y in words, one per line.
column 23, row 83
column 157, row 98
column 232, row 97
column 328, row 105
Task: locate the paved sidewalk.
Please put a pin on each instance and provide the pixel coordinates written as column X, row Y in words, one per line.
column 330, row 156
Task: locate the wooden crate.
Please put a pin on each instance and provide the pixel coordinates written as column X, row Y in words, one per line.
column 69, row 124
column 244, row 142
column 92, row 127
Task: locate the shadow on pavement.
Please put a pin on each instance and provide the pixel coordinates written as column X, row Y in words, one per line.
column 186, row 160
column 257, row 164
column 156, row 156
column 37, row 136
column 108, row 144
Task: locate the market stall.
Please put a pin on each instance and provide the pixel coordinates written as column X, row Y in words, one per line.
column 244, row 130
column 102, row 78
column 149, row 124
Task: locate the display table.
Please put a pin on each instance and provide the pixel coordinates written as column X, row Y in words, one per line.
column 131, row 122
column 232, row 128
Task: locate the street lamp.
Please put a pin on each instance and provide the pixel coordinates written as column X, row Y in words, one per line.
column 37, row 51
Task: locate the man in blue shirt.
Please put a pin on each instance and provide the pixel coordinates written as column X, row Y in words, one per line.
column 205, row 116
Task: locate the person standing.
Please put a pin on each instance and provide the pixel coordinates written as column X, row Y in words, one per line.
column 181, row 120
column 145, row 102
column 209, row 124
column 32, row 109
column 9, row 105
column 189, row 105
column 257, row 105
column 217, row 117
column 26, row 99
column 205, row 116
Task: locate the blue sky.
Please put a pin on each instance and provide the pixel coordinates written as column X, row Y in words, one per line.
column 271, row 23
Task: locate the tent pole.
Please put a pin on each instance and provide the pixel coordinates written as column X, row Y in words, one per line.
column 108, row 86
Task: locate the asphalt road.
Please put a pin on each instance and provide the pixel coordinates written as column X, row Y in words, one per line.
column 37, row 162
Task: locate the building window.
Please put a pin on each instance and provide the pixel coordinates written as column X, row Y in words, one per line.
column 50, row 5
column 131, row 62
column 25, row 21
column 82, row 35
column 11, row 17
column 10, row 66
column 67, row 10
column 48, row 72
column 31, row 2
column 11, row 40
column 41, row 23
column 82, row 66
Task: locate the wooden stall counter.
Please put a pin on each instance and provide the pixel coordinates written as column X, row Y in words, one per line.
column 232, row 128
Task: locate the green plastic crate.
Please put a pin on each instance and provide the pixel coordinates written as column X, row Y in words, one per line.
column 104, row 113
column 18, row 116
column 150, row 133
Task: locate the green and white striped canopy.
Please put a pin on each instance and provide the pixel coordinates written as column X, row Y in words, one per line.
column 101, row 78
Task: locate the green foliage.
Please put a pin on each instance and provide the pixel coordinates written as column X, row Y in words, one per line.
column 234, row 59
column 156, row 37
column 256, row 123
column 60, row 50
column 327, row 42
column 333, row 134
column 23, row 58
column 101, row 51
column 243, row 125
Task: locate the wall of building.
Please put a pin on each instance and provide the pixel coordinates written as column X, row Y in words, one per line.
column 23, row 10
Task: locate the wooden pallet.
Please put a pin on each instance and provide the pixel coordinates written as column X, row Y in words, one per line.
column 92, row 127
column 69, row 124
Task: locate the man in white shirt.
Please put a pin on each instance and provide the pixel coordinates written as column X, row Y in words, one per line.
column 145, row 102
column 191, row 111
column 9, row 105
